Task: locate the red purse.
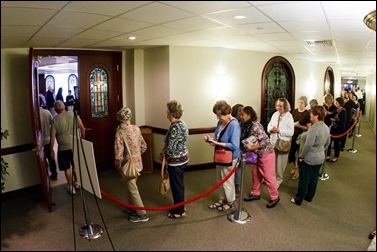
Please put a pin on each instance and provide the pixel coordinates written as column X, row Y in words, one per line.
column 223, row 156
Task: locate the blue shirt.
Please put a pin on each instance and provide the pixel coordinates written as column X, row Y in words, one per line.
column 231, row 137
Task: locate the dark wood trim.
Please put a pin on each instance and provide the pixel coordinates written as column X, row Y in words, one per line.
column 17, row 149
column 197, row 131
column 189, row 168
column 194, row 131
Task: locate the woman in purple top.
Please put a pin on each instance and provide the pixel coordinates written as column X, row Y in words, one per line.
column 265, row 166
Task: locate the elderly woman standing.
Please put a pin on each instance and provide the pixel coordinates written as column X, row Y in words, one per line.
column 312, row 156
column 177, row 155
column 281, row 126
column 229, row 139
column 301, row 117
column 137, row 146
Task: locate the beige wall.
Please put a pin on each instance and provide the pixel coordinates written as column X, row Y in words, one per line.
column 155, row 76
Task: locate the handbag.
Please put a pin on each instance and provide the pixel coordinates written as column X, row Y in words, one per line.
column 164, row 182
column 223, row 156
column 251, row 157
column 129, row 169
column 282, row 146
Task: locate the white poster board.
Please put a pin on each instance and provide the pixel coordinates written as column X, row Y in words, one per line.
column 85, row 171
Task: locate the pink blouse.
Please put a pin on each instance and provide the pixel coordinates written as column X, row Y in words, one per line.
column 135, row 142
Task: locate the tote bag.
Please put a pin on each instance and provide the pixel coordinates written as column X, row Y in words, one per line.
column 129, row 169
column 164, row 181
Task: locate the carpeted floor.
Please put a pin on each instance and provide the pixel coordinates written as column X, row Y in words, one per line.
column 340, row 217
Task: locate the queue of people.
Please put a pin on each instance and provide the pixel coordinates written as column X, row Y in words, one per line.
column 233, row 126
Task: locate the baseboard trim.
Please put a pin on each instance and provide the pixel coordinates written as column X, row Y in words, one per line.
column 35, row 189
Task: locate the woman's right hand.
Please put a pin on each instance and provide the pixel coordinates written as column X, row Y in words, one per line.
column 207, row 139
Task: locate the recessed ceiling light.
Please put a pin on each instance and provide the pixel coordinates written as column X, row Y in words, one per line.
column 131, row 37
column 239, row 17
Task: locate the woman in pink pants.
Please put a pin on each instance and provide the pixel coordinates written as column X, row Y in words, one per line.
column 265, row 166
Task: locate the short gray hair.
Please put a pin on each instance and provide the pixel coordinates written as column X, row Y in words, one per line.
column 59, row 106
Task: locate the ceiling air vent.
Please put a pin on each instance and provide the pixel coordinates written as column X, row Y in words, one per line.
column 320, row 42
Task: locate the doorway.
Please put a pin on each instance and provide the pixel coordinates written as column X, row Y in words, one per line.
column 80, row 71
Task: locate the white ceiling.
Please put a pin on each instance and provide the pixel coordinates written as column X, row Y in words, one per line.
column 279, row 27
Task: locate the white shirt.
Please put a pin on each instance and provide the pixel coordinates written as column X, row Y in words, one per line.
column 286, row 126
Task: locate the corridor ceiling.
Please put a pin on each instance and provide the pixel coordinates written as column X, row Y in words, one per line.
column 322, row 31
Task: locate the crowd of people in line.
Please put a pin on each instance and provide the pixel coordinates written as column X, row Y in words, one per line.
column 312, row 134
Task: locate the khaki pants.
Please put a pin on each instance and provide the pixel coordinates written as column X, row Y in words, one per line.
column 134, row 195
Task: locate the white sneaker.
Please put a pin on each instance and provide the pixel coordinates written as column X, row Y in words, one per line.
column 71, row 190
column 77, row 186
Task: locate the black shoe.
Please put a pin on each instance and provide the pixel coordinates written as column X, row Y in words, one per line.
column 307, row 199
column 341, row 149
column 273, row 203
column 372, row 234
column 251, row 197
column 350, row 135
column 129, row 211
column 54, row 177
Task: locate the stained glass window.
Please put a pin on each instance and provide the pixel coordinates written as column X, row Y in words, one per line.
column 99, row 93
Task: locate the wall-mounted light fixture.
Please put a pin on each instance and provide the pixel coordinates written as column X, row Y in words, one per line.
column 370, row 20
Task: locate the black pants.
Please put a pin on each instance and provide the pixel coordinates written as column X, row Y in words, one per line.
column 51, row 161
column 177, row 186
column 307, row 185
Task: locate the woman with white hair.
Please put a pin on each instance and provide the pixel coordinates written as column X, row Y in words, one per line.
column 126, row 132
column 281, row 126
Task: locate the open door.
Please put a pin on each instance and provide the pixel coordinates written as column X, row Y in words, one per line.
column 37, row 132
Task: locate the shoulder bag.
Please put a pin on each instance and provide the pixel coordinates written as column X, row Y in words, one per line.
column 222, row 155
column 251, row 157
column 129, row 169
column 282, row 146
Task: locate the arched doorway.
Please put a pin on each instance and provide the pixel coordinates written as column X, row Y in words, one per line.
column 278, row 81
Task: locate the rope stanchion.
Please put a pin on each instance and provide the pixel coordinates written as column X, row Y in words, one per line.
column 353, row 150
column 323, row 175
column 358, row 128
column 240, row 216
column 165, row 208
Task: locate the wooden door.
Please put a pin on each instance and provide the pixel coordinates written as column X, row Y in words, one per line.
column 37, row 132
column 100, row 99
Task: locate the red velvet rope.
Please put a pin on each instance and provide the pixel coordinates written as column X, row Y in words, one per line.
column 346, row 132
column 164, row 208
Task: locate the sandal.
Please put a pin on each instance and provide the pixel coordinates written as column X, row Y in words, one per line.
column 216, row 205
column 225, row 207
column 176, row 215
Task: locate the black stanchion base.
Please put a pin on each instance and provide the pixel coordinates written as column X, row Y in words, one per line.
column 352, row 150
column 240, row 217
column 92, row 231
